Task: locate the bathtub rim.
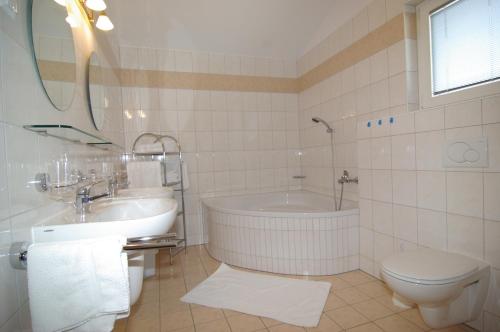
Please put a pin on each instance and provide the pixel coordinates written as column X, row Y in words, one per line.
column 276, row 214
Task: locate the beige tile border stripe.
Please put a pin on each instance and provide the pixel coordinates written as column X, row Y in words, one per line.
column 398, row 28
column 199, row 81
column 376, row 41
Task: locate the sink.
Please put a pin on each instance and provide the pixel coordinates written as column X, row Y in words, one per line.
column 152, row 192
column 130, row 217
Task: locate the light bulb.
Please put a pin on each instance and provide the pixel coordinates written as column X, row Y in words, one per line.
column 71, row 20
column 61, row 2
column 104, row 23
column 95, row 5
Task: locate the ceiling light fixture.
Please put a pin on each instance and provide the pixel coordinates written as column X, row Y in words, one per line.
column 95, row 13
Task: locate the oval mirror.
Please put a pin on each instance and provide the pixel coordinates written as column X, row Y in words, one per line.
column 96, row 90
column 54, row 51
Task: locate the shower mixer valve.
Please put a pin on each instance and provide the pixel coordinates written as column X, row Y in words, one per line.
column 346, row 179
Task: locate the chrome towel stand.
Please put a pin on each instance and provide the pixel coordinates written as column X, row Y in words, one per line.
column 158, row 138
column 18, row 253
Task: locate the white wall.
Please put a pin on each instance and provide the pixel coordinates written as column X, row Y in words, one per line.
column 407, row 199
column 23, row 153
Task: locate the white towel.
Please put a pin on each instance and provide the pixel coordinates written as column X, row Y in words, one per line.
column 78, row 285
column 146, row 148
column 173, row 173
column 144, row 174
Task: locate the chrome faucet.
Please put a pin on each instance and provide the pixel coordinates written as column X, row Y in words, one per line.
column 83, row 197
column 346, row 179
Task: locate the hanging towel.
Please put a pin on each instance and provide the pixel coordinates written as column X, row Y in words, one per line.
column 144, row 174
column 173, row 172
column 78, row 285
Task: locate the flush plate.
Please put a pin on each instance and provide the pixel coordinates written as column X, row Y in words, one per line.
column 470, row 152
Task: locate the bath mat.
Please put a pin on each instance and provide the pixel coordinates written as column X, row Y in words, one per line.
column 292, row 301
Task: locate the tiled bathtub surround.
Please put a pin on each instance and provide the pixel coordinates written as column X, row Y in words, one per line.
column 406, row 198
column 23, row 153
column 319, row 243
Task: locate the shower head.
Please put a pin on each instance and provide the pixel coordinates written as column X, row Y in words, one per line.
column 320, row 120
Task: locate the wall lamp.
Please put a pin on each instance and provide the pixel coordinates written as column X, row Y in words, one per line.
column 95, row 10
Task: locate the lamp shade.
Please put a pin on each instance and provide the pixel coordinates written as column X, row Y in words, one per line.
column 95, row 5
column 104, row 23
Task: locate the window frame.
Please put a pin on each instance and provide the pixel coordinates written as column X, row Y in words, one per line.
column 427, row 98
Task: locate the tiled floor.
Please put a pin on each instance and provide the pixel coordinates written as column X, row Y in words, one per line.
column 357, row 303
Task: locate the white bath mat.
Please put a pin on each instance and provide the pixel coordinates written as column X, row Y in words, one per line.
column 297, row 302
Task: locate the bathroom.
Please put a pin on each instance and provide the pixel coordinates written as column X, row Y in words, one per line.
column 352, row 146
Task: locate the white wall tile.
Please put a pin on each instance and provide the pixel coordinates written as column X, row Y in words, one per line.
column 403, row 152
column 463, row 114
column 432, row 229
column 405, row 223
column 382, row 218
column 492, row 245
column 465, row 193
column 404, row 184
column 491, row 196
column 465, row 235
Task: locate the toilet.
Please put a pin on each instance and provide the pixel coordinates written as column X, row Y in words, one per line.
column 448, row 288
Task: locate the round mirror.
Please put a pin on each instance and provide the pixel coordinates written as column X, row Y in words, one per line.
column 97, row 94
column 54, row 51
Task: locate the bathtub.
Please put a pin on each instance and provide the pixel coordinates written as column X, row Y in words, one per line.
column 288, row 232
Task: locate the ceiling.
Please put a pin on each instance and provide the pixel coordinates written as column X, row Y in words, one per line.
column 266, row 28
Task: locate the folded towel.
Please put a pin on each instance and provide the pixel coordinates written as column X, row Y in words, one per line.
column 144, row 174
column 146, row 148
column 78, row 285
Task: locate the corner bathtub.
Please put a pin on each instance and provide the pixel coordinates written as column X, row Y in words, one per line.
column 288, row 232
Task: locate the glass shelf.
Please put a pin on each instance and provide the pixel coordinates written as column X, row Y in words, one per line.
column 72, row 134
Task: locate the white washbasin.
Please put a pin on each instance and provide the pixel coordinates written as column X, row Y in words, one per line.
column 152, row 192
column 118, row 216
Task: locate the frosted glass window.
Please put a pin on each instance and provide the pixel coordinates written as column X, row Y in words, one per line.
column 465, row 44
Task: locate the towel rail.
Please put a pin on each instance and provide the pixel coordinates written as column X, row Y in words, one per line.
column 18, row 253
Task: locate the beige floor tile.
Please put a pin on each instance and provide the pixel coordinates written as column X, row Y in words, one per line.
column 286, row 328
column 456, row 328
column 172, row 305
column 334, row 302
column 397, row 323
column 141, row 325
column 245, row 323
column 346, row 317
column 356, row 277
column 325, row 325
column 269, row 322
column 336, row 282
column 120, row 325
column 351, row 295
column 206, row 314
column 372, row 310
column 142, row 311
column 175, row 321
column 219, row 325
column 386, row 300
column 413, row 315
column 375, row 289
column 370, row 327
column 229, row 313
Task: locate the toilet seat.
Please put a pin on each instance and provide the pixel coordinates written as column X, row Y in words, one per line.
column 429, row 267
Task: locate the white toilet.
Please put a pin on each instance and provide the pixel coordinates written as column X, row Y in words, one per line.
column 448, row 288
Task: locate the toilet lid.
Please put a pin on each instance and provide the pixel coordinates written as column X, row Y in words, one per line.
column 429, row 265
